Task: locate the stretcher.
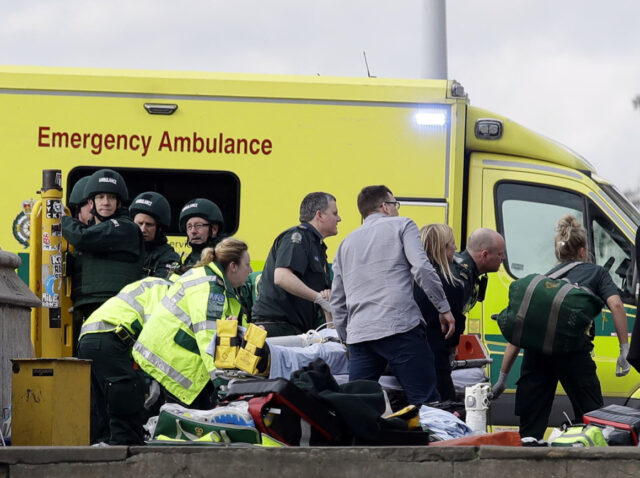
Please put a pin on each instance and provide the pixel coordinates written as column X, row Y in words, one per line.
column 290, row 353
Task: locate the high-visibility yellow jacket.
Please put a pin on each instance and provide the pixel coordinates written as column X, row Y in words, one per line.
column 172, row 345
column 126, row 312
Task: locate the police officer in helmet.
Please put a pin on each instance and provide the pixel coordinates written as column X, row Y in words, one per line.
column 203, row 222
column 81, row 210
column 78, row 203
column 111, row 247
column 151, row 212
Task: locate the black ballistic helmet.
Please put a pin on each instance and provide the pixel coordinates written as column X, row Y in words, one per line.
column 106, row 181
column 202, row 208
column 154, row 204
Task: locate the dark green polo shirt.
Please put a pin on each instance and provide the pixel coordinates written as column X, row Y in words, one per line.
column 302, row 250
column 592, row 276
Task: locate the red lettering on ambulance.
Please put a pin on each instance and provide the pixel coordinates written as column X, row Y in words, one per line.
column 198, row 143
column 57, row 139
column 42, row 136
column 76, row 140
column 182, row 142
column 165, row 142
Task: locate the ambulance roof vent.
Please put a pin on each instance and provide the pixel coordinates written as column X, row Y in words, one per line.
column 160, row 109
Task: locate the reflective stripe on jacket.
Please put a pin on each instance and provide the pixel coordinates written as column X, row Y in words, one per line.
column 130, row 308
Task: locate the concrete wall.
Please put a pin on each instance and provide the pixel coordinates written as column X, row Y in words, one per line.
column 196, row 462
column 16, row 301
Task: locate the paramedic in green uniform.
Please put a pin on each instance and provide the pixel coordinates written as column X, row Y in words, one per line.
column 202, row 220
column 576, row 371
column 295, row 283
column 152, row 213
column 172, row 345
column 484, row 253
column 111, row 247
column 117, row 388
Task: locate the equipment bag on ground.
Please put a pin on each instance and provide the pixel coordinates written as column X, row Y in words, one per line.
column 289, row 414
column 625, row 420
column 580, row 436
column 178, row 423
column 547, row 314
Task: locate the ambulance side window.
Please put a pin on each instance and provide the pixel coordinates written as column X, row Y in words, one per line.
column 613, row 251
column 527, row 217
column 179, row 186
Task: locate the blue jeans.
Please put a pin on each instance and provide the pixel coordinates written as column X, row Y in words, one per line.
column 409, row 357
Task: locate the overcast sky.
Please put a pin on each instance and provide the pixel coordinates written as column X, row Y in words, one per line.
column 568, row 69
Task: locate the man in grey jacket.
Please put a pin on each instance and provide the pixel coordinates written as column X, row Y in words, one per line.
column 372, row 297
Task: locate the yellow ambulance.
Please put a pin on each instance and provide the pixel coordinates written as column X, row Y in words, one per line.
column 256, row 144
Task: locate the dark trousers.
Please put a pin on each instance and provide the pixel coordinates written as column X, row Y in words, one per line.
column 80, row 314
column 117, row 390
column 539, row 378
column 207, row 399
column 441, row 352
column 409, row 358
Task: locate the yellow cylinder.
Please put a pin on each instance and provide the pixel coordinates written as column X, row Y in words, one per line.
column 51, row 323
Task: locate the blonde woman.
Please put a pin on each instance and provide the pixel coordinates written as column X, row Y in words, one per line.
column 440, row 245
column 576, row 371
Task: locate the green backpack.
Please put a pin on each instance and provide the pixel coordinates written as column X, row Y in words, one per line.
column 547, row 314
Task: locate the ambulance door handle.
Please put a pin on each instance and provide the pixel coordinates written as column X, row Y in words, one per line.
column 160, row 109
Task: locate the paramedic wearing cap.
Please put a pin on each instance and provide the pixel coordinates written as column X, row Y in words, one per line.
column 151, row 212
column 111, row 247
column 294, row 287
column 372, row 298
column 203, row 222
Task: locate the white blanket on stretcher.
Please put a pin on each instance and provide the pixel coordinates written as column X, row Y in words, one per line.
column 285, row 359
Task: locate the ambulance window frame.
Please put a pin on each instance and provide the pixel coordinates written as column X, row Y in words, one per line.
column 499, row 200
column 179, row 186
column 590, row 213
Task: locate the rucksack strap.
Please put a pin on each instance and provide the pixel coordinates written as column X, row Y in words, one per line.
column 550, row 333
column 563, row 270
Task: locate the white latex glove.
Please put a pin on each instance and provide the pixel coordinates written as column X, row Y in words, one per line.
column 499, row 386
column 322, row 302
column 622, row 366
column 154, row 394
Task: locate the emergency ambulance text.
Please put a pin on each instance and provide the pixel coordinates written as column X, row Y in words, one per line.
column 95, row 142
column 194, row 143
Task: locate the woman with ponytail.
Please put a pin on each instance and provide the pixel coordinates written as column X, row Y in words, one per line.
column 172, row 345
column 576, row 371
